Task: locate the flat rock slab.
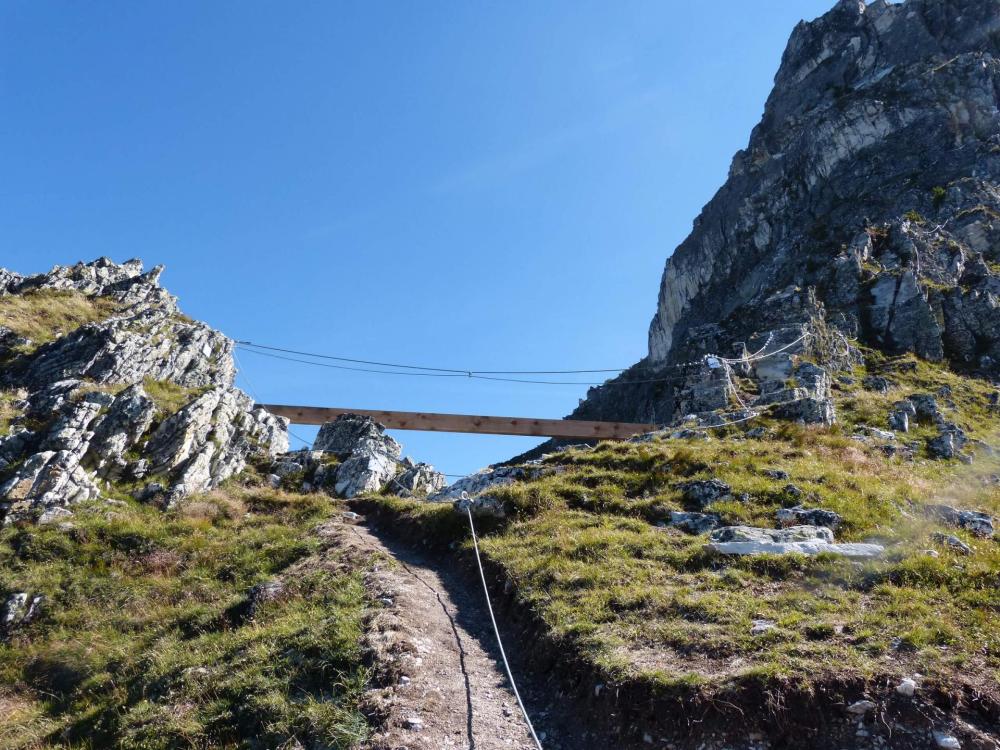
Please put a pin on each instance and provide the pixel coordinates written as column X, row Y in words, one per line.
column 814, row 547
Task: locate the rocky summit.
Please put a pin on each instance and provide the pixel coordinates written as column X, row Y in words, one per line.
column 866, row 208
column 106, row 381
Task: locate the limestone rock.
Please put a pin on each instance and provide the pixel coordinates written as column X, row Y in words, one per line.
column 370, row 457
column 701, row 493
column 864, row 205
column 809, row 517
column 208, row 440
column 421, row 479
column 346, row 433
column 19, row 609
column 860, row 708
column 91, row 418
column 979, row 523
column 364, row 472
column 953, row 542
column 694, row 523
column 806, row 540
column 755, row 534
column 946, row 741
column 484, row 505
column 477, row 483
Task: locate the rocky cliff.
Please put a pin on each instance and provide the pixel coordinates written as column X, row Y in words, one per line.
column 106, row 382
column 864, row 211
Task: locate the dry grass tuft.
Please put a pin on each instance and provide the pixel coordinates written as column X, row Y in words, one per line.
column 45, row 315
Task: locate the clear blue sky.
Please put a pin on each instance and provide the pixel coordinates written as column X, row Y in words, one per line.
column 463, row 184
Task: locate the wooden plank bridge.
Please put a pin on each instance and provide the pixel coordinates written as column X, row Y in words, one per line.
column 431, row 422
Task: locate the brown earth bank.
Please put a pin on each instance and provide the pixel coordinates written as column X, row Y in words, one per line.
column 580, row 707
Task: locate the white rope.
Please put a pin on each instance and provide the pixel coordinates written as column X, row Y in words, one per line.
column 752, row 415
column 496, row 630
column 756, row 357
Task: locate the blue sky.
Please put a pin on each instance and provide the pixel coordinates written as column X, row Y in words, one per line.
column 460, row 184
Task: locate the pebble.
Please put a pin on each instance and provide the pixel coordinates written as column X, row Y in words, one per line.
column 860, row 708
column 907, row 687
column 946, row 741
column 759, row 627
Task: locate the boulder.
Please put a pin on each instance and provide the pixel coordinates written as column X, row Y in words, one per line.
column 808, row 410
column 420, row 479
column 952, row 542
column 484, row 505
column 877, row 383
column 348, row 432
column 977, row 522
column 365, row 471
column 799, row 515
column 19, row 609
column 756, row 534
column 806, row 540
column 948, row 443
column 694, row 523
column 481, row 481
column 702, row 492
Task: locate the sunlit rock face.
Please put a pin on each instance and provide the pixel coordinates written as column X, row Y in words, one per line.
column 866, row 206
column 83, row 417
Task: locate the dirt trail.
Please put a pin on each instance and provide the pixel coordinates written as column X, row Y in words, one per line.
column 433, row 641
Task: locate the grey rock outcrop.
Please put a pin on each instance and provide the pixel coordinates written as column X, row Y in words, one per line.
column 866, row 205
column 922, row 408
column 86, row 417
column 977, row 522
column 799, row 516
column 701, row 493
column 343, row 435
column 352, row 456
column 369, row 456
column 420, row 478
column 477, row 483
column 805, row 540
column 19, row 609
column 694, row 523
column 953, row 542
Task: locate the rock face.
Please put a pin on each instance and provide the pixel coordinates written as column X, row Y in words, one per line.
column 805, row 540
column 480, row 482
column 86, row 417
column 866, row 205
column 352, row 456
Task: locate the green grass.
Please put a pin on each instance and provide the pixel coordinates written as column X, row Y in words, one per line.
column 586, row 555
column 46, row 314
column 8, row 412
column 145, row 640
column 169, row 397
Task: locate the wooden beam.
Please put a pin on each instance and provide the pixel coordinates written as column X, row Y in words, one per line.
column 412, row 420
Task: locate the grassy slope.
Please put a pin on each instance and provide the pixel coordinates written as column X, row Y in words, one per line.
column 638, row 601
column 46, row 314
column 145, row 640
